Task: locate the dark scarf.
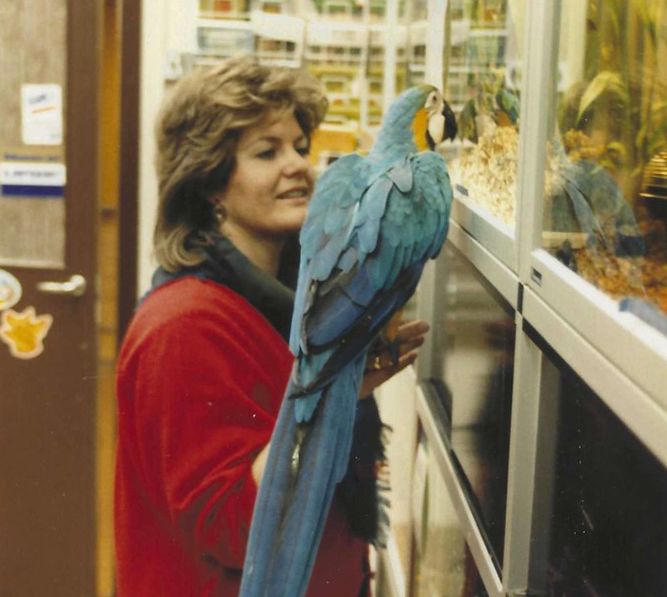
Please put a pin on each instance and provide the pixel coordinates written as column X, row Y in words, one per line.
column 226, row 265
column 274, row 299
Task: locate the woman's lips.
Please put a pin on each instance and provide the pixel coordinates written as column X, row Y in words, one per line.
column 300, row 193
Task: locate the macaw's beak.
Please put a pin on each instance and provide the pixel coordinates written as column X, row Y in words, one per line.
column 451, row 129
column 435, row 132
column 441, row 126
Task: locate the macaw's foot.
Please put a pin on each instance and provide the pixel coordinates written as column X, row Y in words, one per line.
column 390, row 339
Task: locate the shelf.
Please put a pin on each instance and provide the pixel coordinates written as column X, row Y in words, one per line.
column 497, row 273
column 225, row 24
column 476, row 31
column 634, row 347
column 278, row 26
column 495, row 235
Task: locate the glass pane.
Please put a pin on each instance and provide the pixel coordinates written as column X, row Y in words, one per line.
column 606, row 176
column 609, row 524
column 443, row 564
column 473, row 365
column 482, row 80
column 32, row 136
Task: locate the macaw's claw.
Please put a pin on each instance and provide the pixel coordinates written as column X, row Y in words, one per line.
column 386, row 346
column 390, row 341
column 394, row 348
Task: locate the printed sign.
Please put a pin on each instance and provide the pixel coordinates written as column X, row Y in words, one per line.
column 24, row 332
column 32, row 179
column 42, row 114
column 10, row 290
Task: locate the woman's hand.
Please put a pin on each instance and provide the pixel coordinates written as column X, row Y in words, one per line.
column 379, row 365
column 379, row 368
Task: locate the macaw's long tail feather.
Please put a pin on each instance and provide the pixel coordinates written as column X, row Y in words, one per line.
column 274, row 490
column 290, row 513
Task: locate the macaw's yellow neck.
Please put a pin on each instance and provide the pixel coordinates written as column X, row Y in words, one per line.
column 419, row 125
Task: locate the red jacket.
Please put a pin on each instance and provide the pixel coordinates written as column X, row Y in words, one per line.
column 200, row 378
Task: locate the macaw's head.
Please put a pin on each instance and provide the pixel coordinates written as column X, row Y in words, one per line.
column 434, row 119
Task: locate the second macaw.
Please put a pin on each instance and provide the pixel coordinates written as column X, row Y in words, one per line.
column 372, row 224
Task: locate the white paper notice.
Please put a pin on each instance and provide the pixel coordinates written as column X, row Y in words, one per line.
column 42, row 114
column 32, row 174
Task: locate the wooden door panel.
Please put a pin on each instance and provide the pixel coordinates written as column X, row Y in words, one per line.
column 47, row 403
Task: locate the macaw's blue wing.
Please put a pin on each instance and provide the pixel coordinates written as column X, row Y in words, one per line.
column 401, row 221
column 340, row 182
column 361, row 261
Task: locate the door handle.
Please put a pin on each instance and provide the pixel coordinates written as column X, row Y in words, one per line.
column 75, row 286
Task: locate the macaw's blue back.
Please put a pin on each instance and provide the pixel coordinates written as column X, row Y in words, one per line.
column 372, row 224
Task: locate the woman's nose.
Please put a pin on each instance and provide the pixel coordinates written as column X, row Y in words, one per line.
column 296, row 163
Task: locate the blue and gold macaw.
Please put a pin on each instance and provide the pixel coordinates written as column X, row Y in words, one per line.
column 372, row 224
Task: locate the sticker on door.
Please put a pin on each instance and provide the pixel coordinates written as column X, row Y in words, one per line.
column 24, row 332
column 10, row 290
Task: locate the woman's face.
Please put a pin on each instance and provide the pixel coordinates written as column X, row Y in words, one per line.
column 268, row 192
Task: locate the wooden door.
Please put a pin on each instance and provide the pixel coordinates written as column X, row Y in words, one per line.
column 48, row 195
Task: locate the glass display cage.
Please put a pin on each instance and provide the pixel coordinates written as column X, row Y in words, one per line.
column 472, row 375
column 605, row 180
column 579, row 262
column 593, row 180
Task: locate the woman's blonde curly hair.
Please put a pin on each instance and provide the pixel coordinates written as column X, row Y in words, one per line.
column 197, row 133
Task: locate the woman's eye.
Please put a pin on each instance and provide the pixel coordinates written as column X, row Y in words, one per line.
column 267, row 154
column 303, row 151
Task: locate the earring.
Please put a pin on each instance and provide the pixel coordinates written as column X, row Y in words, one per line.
column 219, row 212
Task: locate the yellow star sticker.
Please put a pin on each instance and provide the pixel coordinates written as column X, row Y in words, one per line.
column 24, row 332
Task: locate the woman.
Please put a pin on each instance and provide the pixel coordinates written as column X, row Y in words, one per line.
column 205, row 361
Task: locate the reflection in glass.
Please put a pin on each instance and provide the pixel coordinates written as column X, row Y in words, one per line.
column 606, row 175
column 474, row 357
column 609, row 524
column 482, row 82
column 443, row 564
